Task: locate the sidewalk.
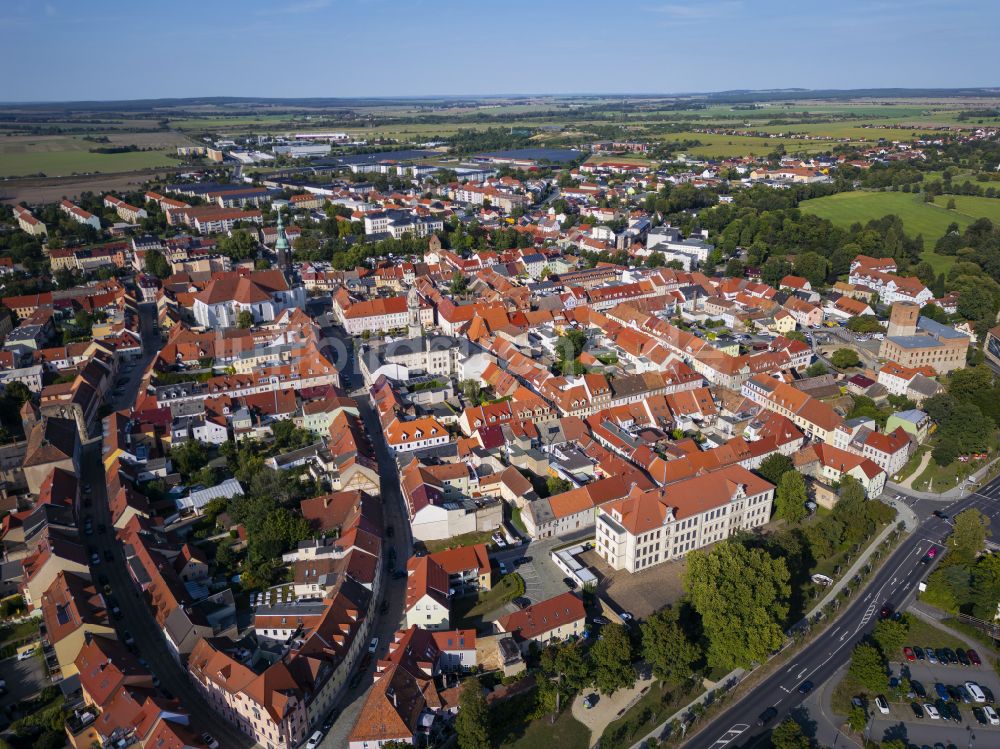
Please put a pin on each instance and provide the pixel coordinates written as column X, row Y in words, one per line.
column 910, row 521
column 955, row 493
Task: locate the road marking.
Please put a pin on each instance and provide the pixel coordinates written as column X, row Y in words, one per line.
column 789, row 669
column 801, row 673
column 731, row 735
column 786, row 690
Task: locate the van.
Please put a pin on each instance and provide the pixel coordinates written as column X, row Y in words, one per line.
column 882, row 705
column 314, row 740
column 26, row 654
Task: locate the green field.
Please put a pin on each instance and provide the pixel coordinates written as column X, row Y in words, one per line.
column 57, row 156
column 971, row 206
column 846, row 208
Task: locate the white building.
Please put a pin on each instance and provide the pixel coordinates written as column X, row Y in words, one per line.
column 651, row 527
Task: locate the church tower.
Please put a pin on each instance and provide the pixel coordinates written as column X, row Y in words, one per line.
column 414, row 329
column 281, row 247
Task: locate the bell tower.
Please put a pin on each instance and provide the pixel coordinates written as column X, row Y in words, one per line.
column 281, row 246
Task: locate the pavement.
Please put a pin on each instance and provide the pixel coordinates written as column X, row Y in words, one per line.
column 609, row 707
column 24, row 678
column 895, row 583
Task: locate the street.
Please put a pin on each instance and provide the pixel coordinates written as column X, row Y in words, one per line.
column 895, row 583
column 392, row 507
column 137, row 618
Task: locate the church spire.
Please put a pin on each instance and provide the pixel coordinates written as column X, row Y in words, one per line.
column 281, row 247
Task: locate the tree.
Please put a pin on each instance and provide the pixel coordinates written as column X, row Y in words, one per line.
column 868, row 667
column 612, row 659
column 244, row 319
column 742, row 597
column 844, row 357
column 891, row 634
column 864, row 324
column 556, row 485
column 459, row 284
column 155, row 264
column 788, row 735
column 968, row 537
column 774, row 269
column 812, row 267
column 472, row 722
column 857, row 719
column 775, row 466
column 816, row 369
column 574, row 668
column 188, row 457
column 667, row 648
column 790, row 498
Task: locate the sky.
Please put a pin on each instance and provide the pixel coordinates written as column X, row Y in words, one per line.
column 60, row 50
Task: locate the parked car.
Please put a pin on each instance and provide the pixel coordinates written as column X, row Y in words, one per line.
column 947, row 653
column 373, row 645
column 590, row 700
column 931, row 655
column 210, row 740
column 919, row 652
column 26, row 654
column 979, row 715
column 767, row 716
column 942, row 691
column 570, row 582
column 991, row 715
column 974, row 658
column 503, row 569
column 932, row 712
column 314, row 740
column 882, row 704
column 918, row 712
column 977, row 694
column 918, row 688
column 962, row 657
column 954, row 712
column 910, row 655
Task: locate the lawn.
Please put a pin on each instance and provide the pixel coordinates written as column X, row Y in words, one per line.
column 472, row 609
column 971, row 206
column 846, row 208
column 911, row 464
column 566, row 733
column 653, row 708
column 941, row 478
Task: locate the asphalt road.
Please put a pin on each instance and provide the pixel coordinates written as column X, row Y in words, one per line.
column 386, row 624
column 137, row 617
column 895, row 583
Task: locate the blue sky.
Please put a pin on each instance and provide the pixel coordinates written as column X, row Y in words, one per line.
column 106, row 49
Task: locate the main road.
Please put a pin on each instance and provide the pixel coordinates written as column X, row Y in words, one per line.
column 894, row 584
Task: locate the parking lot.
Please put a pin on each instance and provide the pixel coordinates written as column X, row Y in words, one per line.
column 24, row 678
column 903, row 724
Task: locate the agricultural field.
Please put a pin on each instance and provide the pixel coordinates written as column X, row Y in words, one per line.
column 58, row 155
column 737, row 145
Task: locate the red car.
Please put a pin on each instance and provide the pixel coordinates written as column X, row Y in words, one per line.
column 908, row 652
column 932, row 552
column 974, row 657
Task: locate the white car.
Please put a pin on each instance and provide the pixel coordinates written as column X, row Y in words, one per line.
column 991, row 715
column 976, row 691
column 210, row 741
column 932, row 712
column 25, row 654
column 314, row 740
column 882, row 705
